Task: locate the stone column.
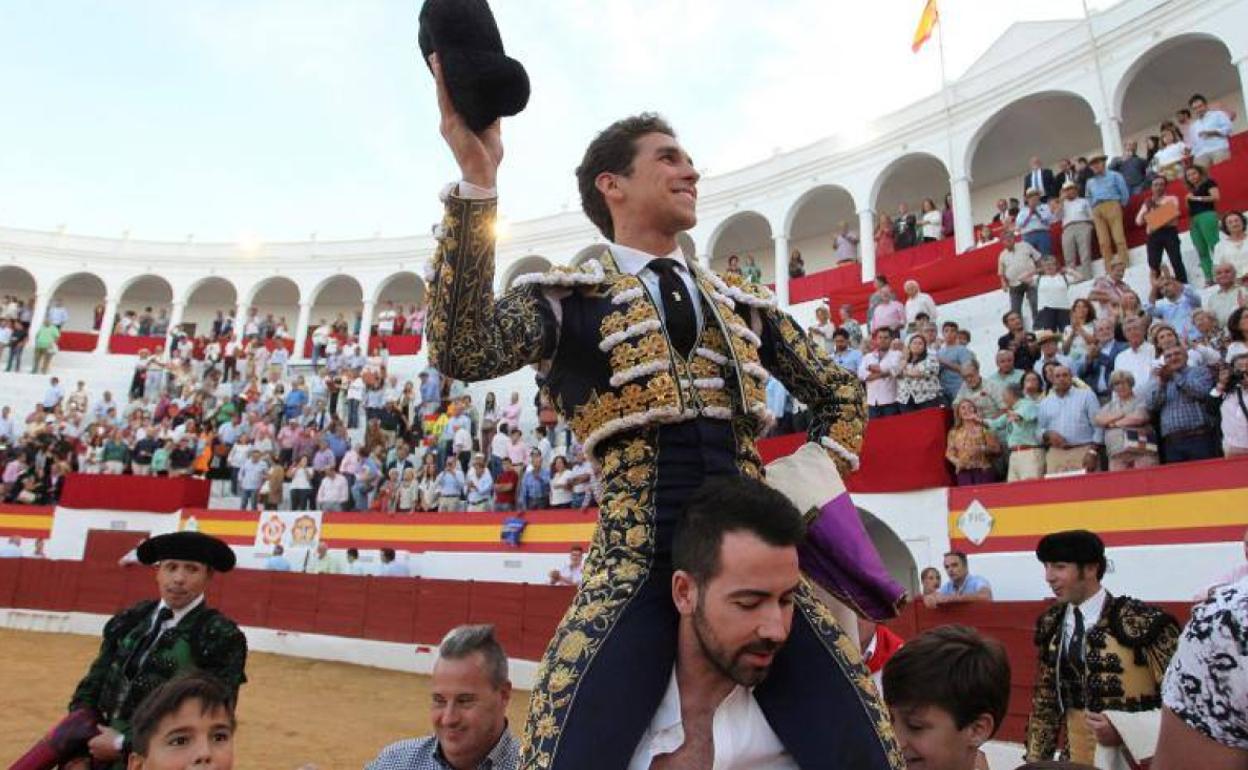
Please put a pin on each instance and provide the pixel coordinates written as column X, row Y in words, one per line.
column 240, row 320
column 963, row 217
column 782, row 269
column 106, row 325
column 1111, row 135
column 866, row 244
column 301, row 331
column 366, row 325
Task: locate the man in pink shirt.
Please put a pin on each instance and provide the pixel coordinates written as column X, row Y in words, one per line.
column 879, row 370
column 889, row 313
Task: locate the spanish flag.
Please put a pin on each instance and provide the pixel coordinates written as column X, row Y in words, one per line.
column 927, row 22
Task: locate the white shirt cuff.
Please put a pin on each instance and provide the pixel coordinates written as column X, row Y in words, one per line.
column 467, row 191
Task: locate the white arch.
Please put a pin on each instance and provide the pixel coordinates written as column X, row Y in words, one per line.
column 800, row 202
column 61, row 280
column 384, row 283
column 740, row 216
column 261, row 284
column 1152, row 52
column 315, row 294
column 189, row 292
column 128, row 284
column 877, row 186
column 985, row 128
column 34, row 280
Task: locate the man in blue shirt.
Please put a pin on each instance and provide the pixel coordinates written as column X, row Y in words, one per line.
column 450, row 487
column 296, row 399
column 1068, row 425
column 277, row 561
column 952, row 356
column 1179, row 402
column 1108, row 193
column 849, row 358
column 961, row 586
column 430, row 391
column 535, row 486
column 1175, row 306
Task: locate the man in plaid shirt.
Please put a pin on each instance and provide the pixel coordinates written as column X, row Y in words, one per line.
column 1179, row 398
column 469, row 710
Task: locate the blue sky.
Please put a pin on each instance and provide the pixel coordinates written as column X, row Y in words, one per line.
column 276, row 119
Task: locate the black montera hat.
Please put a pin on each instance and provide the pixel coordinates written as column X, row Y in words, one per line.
column 187, row 546
column 1075, row 546
column 484, row 83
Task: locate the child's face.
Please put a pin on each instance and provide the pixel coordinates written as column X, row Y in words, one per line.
column 930, row 739
column 189, row 738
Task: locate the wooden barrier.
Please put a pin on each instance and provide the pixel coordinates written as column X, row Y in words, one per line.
column 421, row 611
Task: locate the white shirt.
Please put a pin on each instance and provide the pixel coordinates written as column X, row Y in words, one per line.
column 636, row 263
column 1091, row 609
column 1139, row 363
column 743, row 739
column 499, row 444
column 1212, row 120
column 881, row 391
column 921, row 302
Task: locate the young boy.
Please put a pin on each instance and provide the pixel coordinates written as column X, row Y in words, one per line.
column 186, row 723
column 946, row 691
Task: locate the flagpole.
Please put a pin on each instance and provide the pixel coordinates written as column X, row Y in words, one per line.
column 944, row 93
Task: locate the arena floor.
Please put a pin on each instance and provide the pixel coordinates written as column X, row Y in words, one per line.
column 292, row 711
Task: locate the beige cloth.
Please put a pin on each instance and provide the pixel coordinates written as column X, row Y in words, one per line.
column 1080, row 738
column 1064, row 460
column 1026, row 464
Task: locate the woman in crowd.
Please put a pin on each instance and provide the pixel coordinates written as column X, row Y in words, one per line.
column 752, row 272
column 823, row 328
column 1052, row 297
column 931, row 221
column 929, row 579
column 1202, row 212
column 1081, row 331
column 1034, row 386
column 1131, row 307
column 1163, row 237
column 918, row 382
column 1209, row 338
column 511, row 412
column 560, row 483
column 1128, row 427
column 273, row 487
column 1232, row 393
column 409, row 492
column 884, row 236
column 428, row 483
column 972, row 447
column 946, row 217
column 1167, row 160
column 387, row 500
column 1232, row 247
column 301, row 493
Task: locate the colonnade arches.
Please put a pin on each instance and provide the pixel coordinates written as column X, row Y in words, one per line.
column 746, row 234
column 813, row 223
column 204, row 300
column 82, row 295
column 1163, row 78
column 1049, row 126
column 142, row 297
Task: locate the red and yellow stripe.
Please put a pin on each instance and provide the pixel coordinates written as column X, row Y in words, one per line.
column 1204, row 502
column 547, row 531
column 25, row 520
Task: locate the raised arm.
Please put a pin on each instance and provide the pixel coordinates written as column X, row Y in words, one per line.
column 471, row 335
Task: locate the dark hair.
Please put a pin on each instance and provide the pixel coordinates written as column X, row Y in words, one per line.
column 353, row 552
column 1091, row 316
column 954, row 669
column 910, row 359
column 731, row 504
column 1233, row 323
column 387, row 555
column 463, row 641
column 841, row 333
column 961, row 556
column 1005, row 319
column 613, row 152
column 882, row 280
column 1197, row 98
column 1230, row 214
column 169, row 697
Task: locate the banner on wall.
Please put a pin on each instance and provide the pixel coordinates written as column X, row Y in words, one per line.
column 293, row 530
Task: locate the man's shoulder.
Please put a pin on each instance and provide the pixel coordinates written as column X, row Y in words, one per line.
column 588, row 273
column 402, row 755
column 739, row 289
column 1138, row 624
column 130, row 615
column 1048, row 623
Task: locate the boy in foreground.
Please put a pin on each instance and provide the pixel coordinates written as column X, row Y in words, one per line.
column 947, row 692
column 185, row 723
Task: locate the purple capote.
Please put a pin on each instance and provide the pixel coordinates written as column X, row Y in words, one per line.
column 838, row 554
column 65, row 741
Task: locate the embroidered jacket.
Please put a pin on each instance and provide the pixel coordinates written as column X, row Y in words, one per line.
column 203, row 640
column 1127, row 653
column 609, row 364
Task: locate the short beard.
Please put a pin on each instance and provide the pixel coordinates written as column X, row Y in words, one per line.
column 730, row 665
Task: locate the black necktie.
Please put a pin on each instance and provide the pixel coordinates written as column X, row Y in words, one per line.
column 1075, row 649
column 145, row 644
column 682, row 324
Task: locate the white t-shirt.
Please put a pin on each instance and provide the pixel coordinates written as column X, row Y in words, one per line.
column 931, row 224
column 498, row 445
column 1052, row 291
column 743, row 739
column 560, row 489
